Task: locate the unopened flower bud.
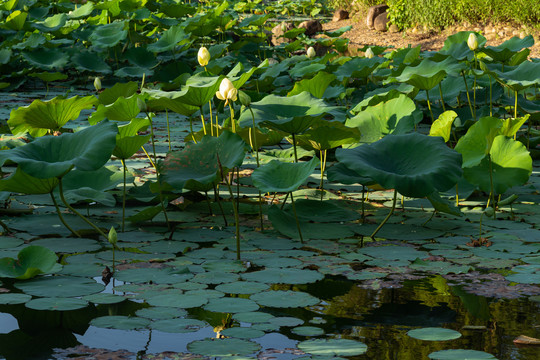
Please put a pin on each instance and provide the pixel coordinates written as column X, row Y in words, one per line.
column 369, row 53
column 97, row 83
column 203, row 56
column 472, row 41
column 310, row 53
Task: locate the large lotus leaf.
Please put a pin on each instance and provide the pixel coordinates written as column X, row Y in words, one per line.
column 199, row 162
column 239, row 81
column 523, row 76
column 31, row 261
column 511, row 164
column 109, row 35
column 90, row 61
column 415, row 165
column 52, row 23
column 460, row 354
column 127, row 145
column 5, row 56
column 434, row 334
column 169, row 39
column 21, row 182
column 509, row 48
column 429, row 73
column 141, row 57
column 223, row 347
column 171, row 100
column 340, row 173
column 41, row 116
column 277, row 176
column 359, row 67
column 394, row 116
column 133, row 72
column 109, row 96
column 443, row 125
column 81, row 11
column 292, row 114
column 382, row 94
column 33, row 41
column 316, row 86
column 47, row 59
column 49, row 76
column 284, row 299
column 456, row 45
column 328, row 135
column 123, row 109
column 54, row 156
column 16, row 20
column 476, row 143
column 333, row 347
column 60, row 286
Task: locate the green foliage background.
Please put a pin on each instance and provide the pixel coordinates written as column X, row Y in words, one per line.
column 443, row 13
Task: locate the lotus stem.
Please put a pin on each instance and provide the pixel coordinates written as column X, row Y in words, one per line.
column 515, row 108
column 168, row 129
column 492, row 192
column 208, row 202
column 211, row 123
column 468, row 97
column 387, row 216
column 218, row 199
column 284, row 201
column 61, row 217
column 296, row 218
column 363, row 207
column 490, row 97
column 474, row 96
column 202, row 120
column 148, row 156
column 61, row 190
column 442, row 101
column 323, row 168
column 235, row 210
column 233, row 123
column 457, row 196
column 191, row 130
column 431, row 217
column 124, row 195
column 429, row 107
column 294, row 148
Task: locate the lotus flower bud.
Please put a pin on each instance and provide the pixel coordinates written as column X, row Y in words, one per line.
column 97, row 83
column 113, row 236
column 311, row 52
column 227, row 91
column 472, row 41
column 369, row 53
column 245, row 99
column 203, row 56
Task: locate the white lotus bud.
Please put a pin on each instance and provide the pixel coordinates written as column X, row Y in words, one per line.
column 310, row 53
column 97, row 83
column 369, row 53
column 203, row 56
column 472, row 41
column 227, row 91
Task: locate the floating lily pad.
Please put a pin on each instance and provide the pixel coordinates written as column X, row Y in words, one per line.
column 333, row 347
column 161, row 313
column 177, row 300
column 242, row 333
column 460, row 354
column 253, row 317
column 14, row 298
column 231, row 305
column 68, row 245
column 120, row 322
column 60, row 286
column 287, row 321
column 284, row 299
column 242, row 287
column 9, row 242
column 434, row 334
column 155, row 276
column 307, row 331
column 524, row 278
column 393, row 252
column 178, row 325
column 223, row 347
column 215, row 277
column 104, row 298
column 283, row 276
column 56, row 304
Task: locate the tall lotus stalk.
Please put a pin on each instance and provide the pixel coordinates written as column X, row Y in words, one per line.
column 229, row 94
column 203, row 57
column 472, row 42
column 235, row 209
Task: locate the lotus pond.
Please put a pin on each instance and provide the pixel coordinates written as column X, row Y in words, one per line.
column 174, row 187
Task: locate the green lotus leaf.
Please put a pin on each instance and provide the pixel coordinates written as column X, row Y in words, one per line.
column 340, row 173
column 21, row 182
column 177, row 10
column 133, row 72
column 141, row 57
column 333, row 347
column 292, row 114
column 284, row 299
column 178, row 325
column 394, row 116
column 443, row 205
column 82, row 11
column 253, row 317
column 68, row 245
column 120, row 322
column 460, row 354
column 415, row 165
column 239, row 81
column 160, row 313
column 359, row 67
column 60, row 286
column 31, row 261
column 109, row 35
column 242, row 333
column 198, row 163
column 90, row 61
column 443, row 125
column 41, row 116
column 14, row 298
column 170, row 39
column 223, row 347
column 178, row 300
column 511, row 126
column 48, row 76
column 47, row 59
column 523, row 76
column 383, row 94
column 511, row 165
column 456, row 45
column 16, row 20
column 429, row 73
column 56, row 304
column 55, row 156
column 476, row 143
column 434, row 334
column 277, row 176
column 242, row 287
column 153, row 276
column 307, row 331
column 5, row 56
column 123, row 109
column 231, row 305
column 104, row 298
column 51, row 24
column 509, row 48
column 328, row 135
column 283, row 276
column 109, row 96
